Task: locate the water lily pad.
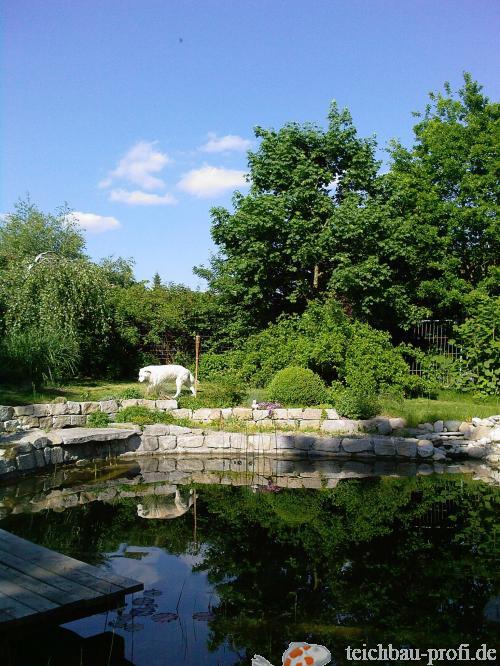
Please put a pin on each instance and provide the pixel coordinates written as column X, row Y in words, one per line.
column 203, row 616
column 133, row 626
column 143, row 601
column 163, row 618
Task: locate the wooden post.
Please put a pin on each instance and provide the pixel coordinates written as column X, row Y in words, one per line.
column 197, row 353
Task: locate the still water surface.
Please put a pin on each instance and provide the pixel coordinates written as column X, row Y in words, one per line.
column 236, row 564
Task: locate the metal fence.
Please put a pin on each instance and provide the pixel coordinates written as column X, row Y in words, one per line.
column 433, row 337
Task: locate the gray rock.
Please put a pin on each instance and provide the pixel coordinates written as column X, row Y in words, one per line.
column 84, row 435
column 62, row 421
column 476, row 451
column 438, row 426
column 426, row 427
column 452, row 425
column 216, row 465
column 438, row 455
column 243, row 413
column 190, row 441
column 41, row 410
column 239, row 440
column 384, row 446
column 29, row 421
column 332, row 414
column 294, row 413
column 480, row 432
column 12, row 425
column 149, row 443
column 351, row 445
column 312, row 414
column 89, row 407
column 327, row 444
column 25, row 461
column 425, row 448
column 202, row 415
column 384, row 427
column 157, row 429
column 45, row 422
column 218, row 440
column 23, row 447
column 182, row 413
column 261, row 442
column 181, row 430
column 166, row 405
column 167, row 442
column 260, row 414
column 166, row 465
column 6, row 413
column 129, row 402
column 109, row 406
column 406, row 447
column 6, row 466
column 340, row 426
column 23, row 410
column 190, row 465
column 39, row 458
column 495, row 434
column 397, row 423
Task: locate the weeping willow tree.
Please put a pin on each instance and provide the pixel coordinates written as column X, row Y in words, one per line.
column 56, row 319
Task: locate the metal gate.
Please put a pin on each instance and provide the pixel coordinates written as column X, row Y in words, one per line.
column 433, row 337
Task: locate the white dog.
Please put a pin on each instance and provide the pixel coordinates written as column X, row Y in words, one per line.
column 156, row 374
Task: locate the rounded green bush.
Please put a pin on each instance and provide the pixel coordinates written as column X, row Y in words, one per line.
column 298, row 387
column 353, row 403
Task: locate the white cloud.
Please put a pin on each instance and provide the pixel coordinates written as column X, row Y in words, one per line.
column 221, row 144
column 210, row 181
column 93, row 223
column 138, row 198
column 137, row 166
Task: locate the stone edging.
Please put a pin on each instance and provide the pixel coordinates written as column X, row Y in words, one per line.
column 26, row 452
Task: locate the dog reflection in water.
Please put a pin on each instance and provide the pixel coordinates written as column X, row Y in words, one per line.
column 299, row 654
column 166, row 507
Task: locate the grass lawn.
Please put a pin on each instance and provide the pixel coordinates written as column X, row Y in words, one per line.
column 80, row 391
column 449, row 405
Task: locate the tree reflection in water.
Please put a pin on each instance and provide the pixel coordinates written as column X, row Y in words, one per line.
column 390, row 560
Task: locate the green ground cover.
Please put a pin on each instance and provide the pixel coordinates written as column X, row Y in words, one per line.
column 448, row 405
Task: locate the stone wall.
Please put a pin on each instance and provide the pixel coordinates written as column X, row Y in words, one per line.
column 68, row 414
column 75, row 414
column 25, row 452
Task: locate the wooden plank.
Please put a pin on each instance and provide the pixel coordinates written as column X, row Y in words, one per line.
column 10, row 588
column 51, row 591
column 13, row 607
column 49, row 577
column 66, row 566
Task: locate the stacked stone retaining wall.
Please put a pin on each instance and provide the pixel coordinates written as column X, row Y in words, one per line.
column 25, row 452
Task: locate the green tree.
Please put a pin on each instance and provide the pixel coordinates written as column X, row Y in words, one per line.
column 273, row 255
column 28, row 232
column 56, row 319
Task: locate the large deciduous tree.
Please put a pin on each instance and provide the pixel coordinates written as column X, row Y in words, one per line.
column 273, row 251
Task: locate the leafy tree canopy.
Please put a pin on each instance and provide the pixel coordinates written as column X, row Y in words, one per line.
column 27, row 232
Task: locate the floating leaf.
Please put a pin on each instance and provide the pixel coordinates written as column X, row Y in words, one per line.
column 203, row 616
column 163, row 618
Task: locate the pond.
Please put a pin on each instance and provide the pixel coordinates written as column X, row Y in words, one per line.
column 236, row 564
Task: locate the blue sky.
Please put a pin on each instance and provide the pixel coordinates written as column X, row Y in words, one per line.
column 138, row 113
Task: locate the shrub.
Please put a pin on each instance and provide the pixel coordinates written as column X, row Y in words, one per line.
column 296, row 386
column 97, row 420
column 130, row 393
column 354, row 403
column 480, row 344
column 143, row 416
column 226, row 393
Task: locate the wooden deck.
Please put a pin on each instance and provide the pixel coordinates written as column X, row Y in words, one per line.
column 40, row 585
